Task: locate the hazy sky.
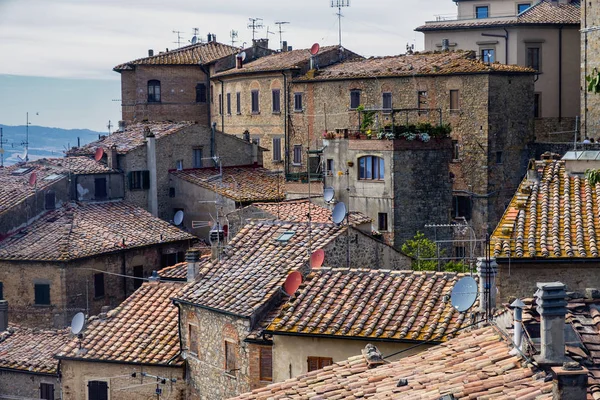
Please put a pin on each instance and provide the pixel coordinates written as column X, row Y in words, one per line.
column 71, row 46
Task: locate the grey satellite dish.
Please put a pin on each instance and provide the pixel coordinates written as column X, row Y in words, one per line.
column 243, row 56
column 77, row 323
column 464, row 294
column 194, row 39
column 178, row 218
column 339, row 213
column 328, row 194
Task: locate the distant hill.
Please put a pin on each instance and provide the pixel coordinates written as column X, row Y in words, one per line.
column 43, row 141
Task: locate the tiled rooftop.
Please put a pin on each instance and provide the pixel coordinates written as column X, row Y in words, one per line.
column 434, row 63
column 243, row 184
column 255, row 265
column 178, row 272
column 201, row 53
column 31, row 350
column 143, row 329
column 543, row 13
column 298, row 210
column 555, row 217
column 131, row 138
column 80, row 230
column 375, row 304
column 474, row 365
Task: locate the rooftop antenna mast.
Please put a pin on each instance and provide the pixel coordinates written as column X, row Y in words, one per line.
column 233, row 35
column 2, row 141
column 178, row 38
column 280, row 32
column 269, row 32
column 109, row 126
column 255, row 24
column 26, row 142
column 339, row 4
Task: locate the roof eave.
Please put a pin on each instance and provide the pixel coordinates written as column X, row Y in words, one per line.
column 414, row 75
column 95, row 360
column 363, row 338
column 549, row 260
column 424, row 28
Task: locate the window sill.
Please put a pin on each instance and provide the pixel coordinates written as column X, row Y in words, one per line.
column 42, row 305
column 371, row 180
column 99, row 297
column 276, row 113
column 296, row 164
column 298, row 111
column 227, row 374
column 238, row 113
column 137, row 190
column 255, row 113
column 277, row 161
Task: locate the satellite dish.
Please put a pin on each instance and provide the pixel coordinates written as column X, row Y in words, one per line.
column 32, row 178
column 339, row 213
column 464, row 294
column 328, row 194
column 194, row 39
column 77, row 323
column 315, row 49
column 292, row 283
column 178, row 218
column 99, row 154
column 243, row 55
column 317, row 258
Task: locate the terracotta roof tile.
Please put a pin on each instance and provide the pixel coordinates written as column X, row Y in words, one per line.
column 255, row 266
column 143, row 329
column 436, row 63
column 474, row 365
column 243, row 184
column 298, row 210
column 385, row 305
column 131, row 138
column 31, row 350
column 194, row 54
column 178, row 272
column 80, row 230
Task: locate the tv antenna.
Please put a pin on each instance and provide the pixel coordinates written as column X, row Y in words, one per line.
column 2, row 141
column 280, row 32
column 255, row 24
column 464, row 294
column 269, row 32
column 233, row 35
column 109, row 125
column 178, row 38
column 194, row 38
column 339, row 4
column 25, row 156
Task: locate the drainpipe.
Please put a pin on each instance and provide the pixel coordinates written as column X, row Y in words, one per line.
column 505, row 37
column 285, row 124
column 585, row 69
column 222, row 107
column 207, row 73
column 213, row 131
column 560, row 58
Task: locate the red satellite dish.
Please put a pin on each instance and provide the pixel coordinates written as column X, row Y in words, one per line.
column 315, row 49
column 292, row 283
column 99, row 154
column 317, row 258
column 33, row 178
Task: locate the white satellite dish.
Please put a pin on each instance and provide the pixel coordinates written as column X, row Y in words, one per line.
column 178, row 217
column 464, row 294
column 194, row 39
column 339, row 213
column 328, row 194
column 243, row 56
column 77, row 323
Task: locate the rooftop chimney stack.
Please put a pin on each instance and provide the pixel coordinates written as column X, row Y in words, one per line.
column 487, row 283
column 445, row 44
column 284, row 46
column 112, row 160
column 570, row 382
column 551, row 305
column 150, row 52
column 3, row 315
column 192, row 257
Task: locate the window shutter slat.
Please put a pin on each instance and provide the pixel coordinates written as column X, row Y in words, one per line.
column 313, row 363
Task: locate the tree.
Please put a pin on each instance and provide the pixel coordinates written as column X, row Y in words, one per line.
column 420, row 248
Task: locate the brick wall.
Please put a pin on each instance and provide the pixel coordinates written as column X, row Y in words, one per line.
column 590, row 59
column 23, row 385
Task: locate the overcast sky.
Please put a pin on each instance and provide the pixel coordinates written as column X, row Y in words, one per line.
column 70, row 46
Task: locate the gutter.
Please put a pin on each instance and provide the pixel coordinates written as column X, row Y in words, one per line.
column 547, row 260
column 23, row 371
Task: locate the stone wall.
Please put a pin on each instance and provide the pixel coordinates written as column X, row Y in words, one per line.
column 75, row 376
column 549, row 130
column 85, row 187
column 178, row 94
column 24, row 385
column 590, row 59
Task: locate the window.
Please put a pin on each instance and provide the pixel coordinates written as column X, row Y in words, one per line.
column 153, row 91
column 1, row 291
column 298, row 101
column 179, row 165
column 387, row 101
column 255, row 104
column 197, row 158
column 498, row 157
column 522, row 7
column 422, row 101
column 533, row 58
column 99, row 285
column 371, row 167
column 42, row 294
column 276, row 101
column 139, row 180
column 266, row 363
column 50, row 200
column 47, row 391
column 230, row 357
column 315, row 363
column 220, row 104
column 297, row 154
column 201, row 93
column 354, row 99
column 537, row 105
column 488, row 55
column 276, row 149
column 482, row 12
column 383, row 222
column 461, row 207
column 193, row 338
column 97, row 390
column 454, row 100
column 455, row 150
column 285, row 236
column 330, row 166
column 228, row 103
column 238, row 104
column 138, row 272
column 460, row 251
column 100, row 189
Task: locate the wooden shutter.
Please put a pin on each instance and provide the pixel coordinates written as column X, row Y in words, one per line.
column 230, row 357
column 324, row 361
column 266, row 364
column 47, row 391
column 97, row 390
column 313, row 363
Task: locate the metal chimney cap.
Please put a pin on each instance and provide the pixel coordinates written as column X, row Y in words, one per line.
column 517, row 304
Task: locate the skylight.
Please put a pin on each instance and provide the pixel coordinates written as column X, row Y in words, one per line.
column 285, row 236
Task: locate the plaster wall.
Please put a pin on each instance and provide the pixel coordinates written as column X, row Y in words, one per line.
column 21, row 385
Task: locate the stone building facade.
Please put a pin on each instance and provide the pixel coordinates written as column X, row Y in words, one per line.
column 590, row 60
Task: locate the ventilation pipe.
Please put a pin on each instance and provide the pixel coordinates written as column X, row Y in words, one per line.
column 445, row 44
column 517, row 306
column 192, row 257
column 487, row 270
column 552, row 307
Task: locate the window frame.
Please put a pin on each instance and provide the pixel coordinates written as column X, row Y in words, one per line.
column 354, row 98
column 371, row 166
column 193, row 344
column 276, row 101
column 523, row 4
column 321, row 362
column 200, row 93
column 455, row 150
column 457, row 207
column 98, row 396
column 276, row 149
column 46, row 391
column 388, row 96
column 454, row 100
column 137, row 283
column 230, row 359
column 528, row 55
column 382, row 217
column 329, row 166
column 537, row 105
column 154, row 97
column 1, row 290
column 297, row 160
column 228, row 103
column 97, row 185
column 298, row 98
column 255, row 101
column 99, row 285
column 42, row 300
column 220, row 104
column 488, row 55
column 482, row 7
column 50, row 200
column 422, row 102
column 238, row 106
column 197, row 161
column 139, row 180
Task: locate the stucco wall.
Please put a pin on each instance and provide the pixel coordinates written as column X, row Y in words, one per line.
column 18, row 385
column 85, row 186
column 590, row 59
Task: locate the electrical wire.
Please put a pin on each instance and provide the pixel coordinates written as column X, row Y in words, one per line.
column 121, row 275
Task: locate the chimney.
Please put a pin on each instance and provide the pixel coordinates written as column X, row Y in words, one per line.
column 284, row 46
column 122, row 125
column 150, row 52
column 192, row 257
column 487, row 283
column 254, row 153
column 445, row 44
column 570, row 382
column 239, row 61
column 517, row 307
column 552, row 309
column 3, row 315
column 112, row 160
column 151, row 165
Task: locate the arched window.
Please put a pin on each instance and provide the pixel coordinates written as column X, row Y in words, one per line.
column 154, row 91
column 371, row 167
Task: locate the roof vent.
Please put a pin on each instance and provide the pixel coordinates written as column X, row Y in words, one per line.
column 285, row 237
column 445, row 44
column 150, row 52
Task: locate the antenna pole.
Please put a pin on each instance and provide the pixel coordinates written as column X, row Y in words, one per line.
column 348, row 219
column 339, row 4
column 109, row 126
column 1, row 148
column 280, row 32
column 27, row 139
column 178, row 38
column 233, row 34
column 255, row 23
